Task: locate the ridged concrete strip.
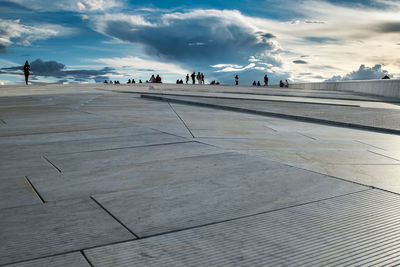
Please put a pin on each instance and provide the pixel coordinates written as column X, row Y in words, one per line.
column 37, row 231
column 67, row 260
column 274, row 114
column 351, row 230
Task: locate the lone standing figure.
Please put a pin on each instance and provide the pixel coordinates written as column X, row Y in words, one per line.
column 27, row 69
column 236, row 79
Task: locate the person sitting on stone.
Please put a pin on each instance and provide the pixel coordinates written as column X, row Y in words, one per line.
column 258, row 83
column 133, row 81
column 158, row 79
column 152, row 79
column 254, row 83
column 129, row 81
column 286, row 84
column 280, row 83
column 105, row 81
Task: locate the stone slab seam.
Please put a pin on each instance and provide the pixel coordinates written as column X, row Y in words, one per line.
column 34, row 189
column 277, row 115
column 86, row 258
column 115, row 218
column 181, row 120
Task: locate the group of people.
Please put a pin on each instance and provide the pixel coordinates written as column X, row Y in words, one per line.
column 156, row 79
column 286, row 84
column 199, row 77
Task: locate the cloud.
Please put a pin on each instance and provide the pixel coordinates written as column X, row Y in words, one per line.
column 392, row 27
column 363, row 73
column 69, row 5
column 198, row 37
column 58, row 70
column 300, row 62
column 13, row 32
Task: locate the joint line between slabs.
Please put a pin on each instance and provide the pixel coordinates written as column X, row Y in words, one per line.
column 181, row 119
column 34, row 189
column 115, row 218
column 52, row 164
column 382, row 155
column 86, row 258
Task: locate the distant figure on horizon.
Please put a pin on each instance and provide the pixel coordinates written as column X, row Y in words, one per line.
column 254, row 83
column 286, row 84
column 129, row 81
column 187, row 78
column 111, row 82
column 236, row 79
column 27, row 69
column 193, row 77
column 385, row 77
column 158, row 79
column 140, row 81
column 105, row 81
column 266, row 80
column 152, row 79
column 280, row 83
column 258, row 83
column 202, row 78
column 133, row 81
column 198, row 77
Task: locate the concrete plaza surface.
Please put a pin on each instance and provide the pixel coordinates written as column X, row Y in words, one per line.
column 190, row 175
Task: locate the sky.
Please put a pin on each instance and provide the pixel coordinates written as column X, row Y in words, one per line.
column 86, row 41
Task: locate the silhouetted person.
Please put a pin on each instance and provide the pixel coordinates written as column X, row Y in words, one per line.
column 217, row 83
column 198, row 77
column 105, row 81
column 266, row 80
column 280, row 83
column 140, row 81
column 258, row 83
column 254, row 83
column 202, row 78
column 129, row 81
column 152, row 79
column 181, row 81
column 111, row 82
column 133, row 81
column 236, row 79
column 385, row 77
column 286, row 84
column 187, row 78
column 158, row 79
column 177, row 81
column 193, row 77
column 27, row 69
column 213, row 82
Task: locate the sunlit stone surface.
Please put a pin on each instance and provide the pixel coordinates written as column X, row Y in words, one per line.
column 176, row 175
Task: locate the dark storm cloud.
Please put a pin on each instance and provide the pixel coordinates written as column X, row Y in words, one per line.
column 300, row 62
column 315, row 39
column 363, row 73
column 193, row 38
column 393, row 27
column 3, row 48
column 57, row 70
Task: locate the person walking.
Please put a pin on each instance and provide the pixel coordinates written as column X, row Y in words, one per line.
column 187, row 78
column 236, row 79
column 27, row 69
column 198, row 77
column 266, row 80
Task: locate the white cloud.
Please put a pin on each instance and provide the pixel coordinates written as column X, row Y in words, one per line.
column 231, row 68
column 70, row 5
column 13, row 32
